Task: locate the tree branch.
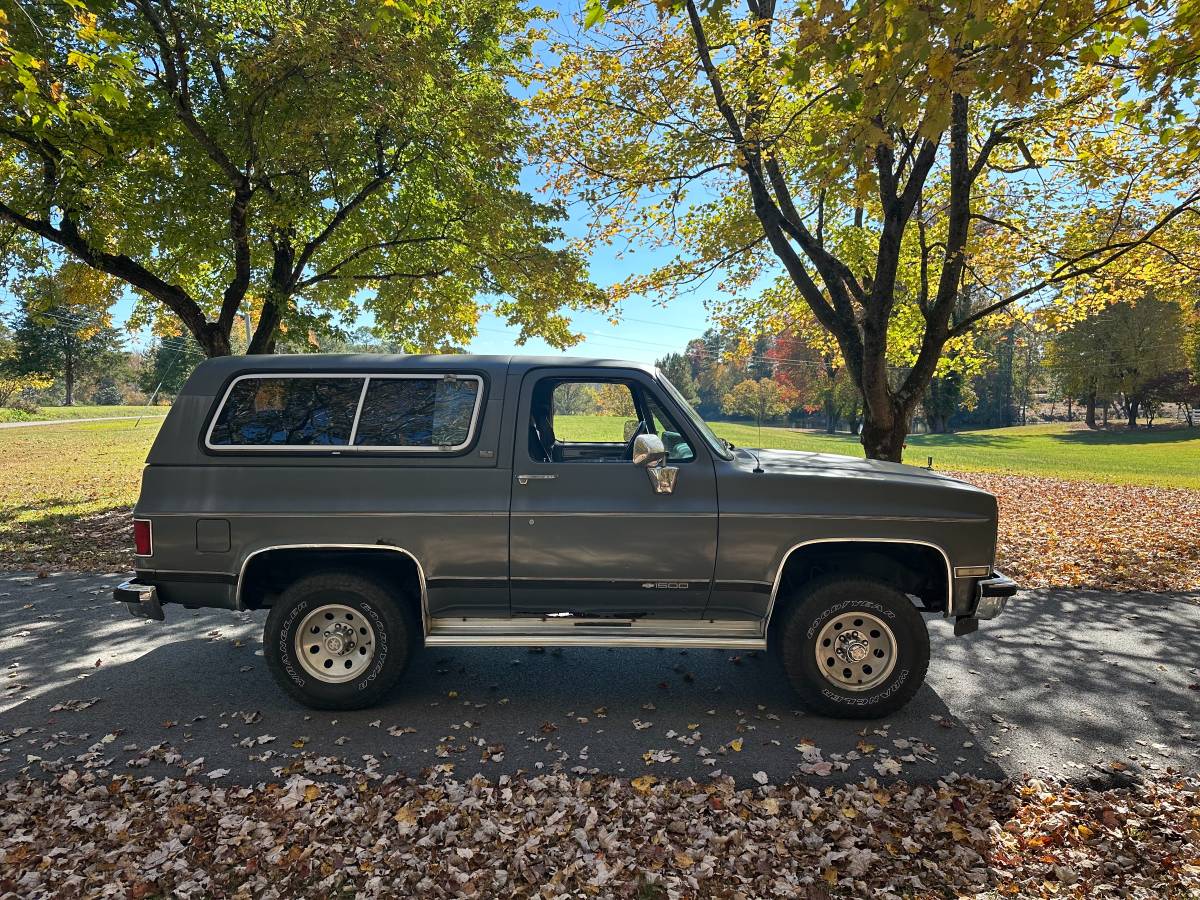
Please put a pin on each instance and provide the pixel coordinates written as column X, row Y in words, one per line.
column 1066, row 270
column 118, row 265
column 332, row 271
column 177, row 77
column 383, row 174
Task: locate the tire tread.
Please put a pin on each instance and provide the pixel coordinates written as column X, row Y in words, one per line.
column 395, row 612
column 793, row 646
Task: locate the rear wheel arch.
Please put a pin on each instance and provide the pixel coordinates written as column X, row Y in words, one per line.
column 267, row 573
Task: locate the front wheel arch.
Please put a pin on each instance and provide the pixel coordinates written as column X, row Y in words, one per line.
column 919, row 568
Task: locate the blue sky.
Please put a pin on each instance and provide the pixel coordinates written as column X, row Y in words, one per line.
column 647, row 329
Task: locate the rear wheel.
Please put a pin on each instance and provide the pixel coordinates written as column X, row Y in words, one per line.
column 337, row 640
column 853, row 648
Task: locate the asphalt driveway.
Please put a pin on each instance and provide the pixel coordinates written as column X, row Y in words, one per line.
column 1067, row 682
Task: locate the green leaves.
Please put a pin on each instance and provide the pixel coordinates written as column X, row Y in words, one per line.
column 301, row 163
column 594, row 13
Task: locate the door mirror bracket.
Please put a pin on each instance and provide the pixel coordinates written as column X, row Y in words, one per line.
column 651, row 455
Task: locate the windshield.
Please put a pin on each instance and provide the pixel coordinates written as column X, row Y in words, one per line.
column 717, row 445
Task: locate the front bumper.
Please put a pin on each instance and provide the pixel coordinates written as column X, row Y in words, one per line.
column 140, row 599
column 993, row 595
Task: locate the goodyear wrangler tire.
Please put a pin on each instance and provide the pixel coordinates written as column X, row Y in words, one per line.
column 853, row 648
column 336, row 640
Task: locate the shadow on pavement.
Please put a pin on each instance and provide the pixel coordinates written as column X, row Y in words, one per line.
column 1108, row 673
column 489, row 710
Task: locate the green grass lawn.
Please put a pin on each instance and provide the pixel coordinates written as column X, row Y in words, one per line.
column 1162, row 457
column 46, row 413
column 65, row 491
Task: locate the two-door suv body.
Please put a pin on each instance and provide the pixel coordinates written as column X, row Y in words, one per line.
column 377, row 503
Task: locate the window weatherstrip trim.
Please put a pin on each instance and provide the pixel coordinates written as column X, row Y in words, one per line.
column 341, row 449
column 362, row 395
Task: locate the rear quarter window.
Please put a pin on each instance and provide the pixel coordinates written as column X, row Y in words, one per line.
column 388, row 412
column 417, row 412
column 287, row 412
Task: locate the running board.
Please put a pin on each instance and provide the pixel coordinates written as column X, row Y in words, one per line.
column 579, row 632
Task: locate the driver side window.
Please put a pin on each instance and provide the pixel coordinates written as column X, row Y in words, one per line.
column 582, row 421
column 596, row 421
column 593, row 412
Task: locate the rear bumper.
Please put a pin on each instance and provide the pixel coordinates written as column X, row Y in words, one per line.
column 140, row 599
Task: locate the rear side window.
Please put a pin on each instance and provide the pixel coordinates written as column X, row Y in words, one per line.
column 418, row 412
column 378, row 412
column 305, row 412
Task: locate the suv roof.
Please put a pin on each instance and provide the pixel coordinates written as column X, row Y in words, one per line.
column 212, row 374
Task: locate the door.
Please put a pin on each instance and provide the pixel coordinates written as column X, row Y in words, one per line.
column 588, row 534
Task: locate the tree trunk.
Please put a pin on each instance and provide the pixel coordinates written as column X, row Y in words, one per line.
column 213, row 340
column 279, row 293
column 69, row 375
column 831, row 416
column 1089, row 416
column 1132, row 404
column 266, row 331
column 1070, row 409
column 884, row 440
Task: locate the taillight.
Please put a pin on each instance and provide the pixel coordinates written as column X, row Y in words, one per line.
column 143, row 544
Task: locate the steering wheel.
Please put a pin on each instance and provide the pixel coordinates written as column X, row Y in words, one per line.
column 642, row 428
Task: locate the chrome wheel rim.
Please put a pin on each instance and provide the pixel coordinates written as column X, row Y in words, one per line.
column 856, row 651
column 335, row 643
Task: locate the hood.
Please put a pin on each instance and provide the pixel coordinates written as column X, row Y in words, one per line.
column 801, row 462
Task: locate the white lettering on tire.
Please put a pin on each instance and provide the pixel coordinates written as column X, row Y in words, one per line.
column 381, row 646
column 869, row 699
column 284, row 643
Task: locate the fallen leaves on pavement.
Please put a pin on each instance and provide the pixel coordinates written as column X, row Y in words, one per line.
column 64, row 831
column 1082, row 534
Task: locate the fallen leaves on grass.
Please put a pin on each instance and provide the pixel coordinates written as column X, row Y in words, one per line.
column 71, row 832
column 1081, row 534
column 96, row 542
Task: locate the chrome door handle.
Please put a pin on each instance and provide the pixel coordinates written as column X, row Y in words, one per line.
column 525, row 479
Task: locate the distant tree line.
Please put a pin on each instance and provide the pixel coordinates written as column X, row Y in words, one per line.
column 1129, row 361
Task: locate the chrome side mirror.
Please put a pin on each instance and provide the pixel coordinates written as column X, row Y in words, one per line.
column 650, row 454
column 648, row 451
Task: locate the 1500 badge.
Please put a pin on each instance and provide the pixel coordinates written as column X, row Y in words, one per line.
column 666, row 585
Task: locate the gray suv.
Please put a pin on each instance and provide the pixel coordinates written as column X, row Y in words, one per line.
column 377, row 503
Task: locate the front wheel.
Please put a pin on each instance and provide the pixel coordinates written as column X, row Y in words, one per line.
column 337, row 640
column 853, row 648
